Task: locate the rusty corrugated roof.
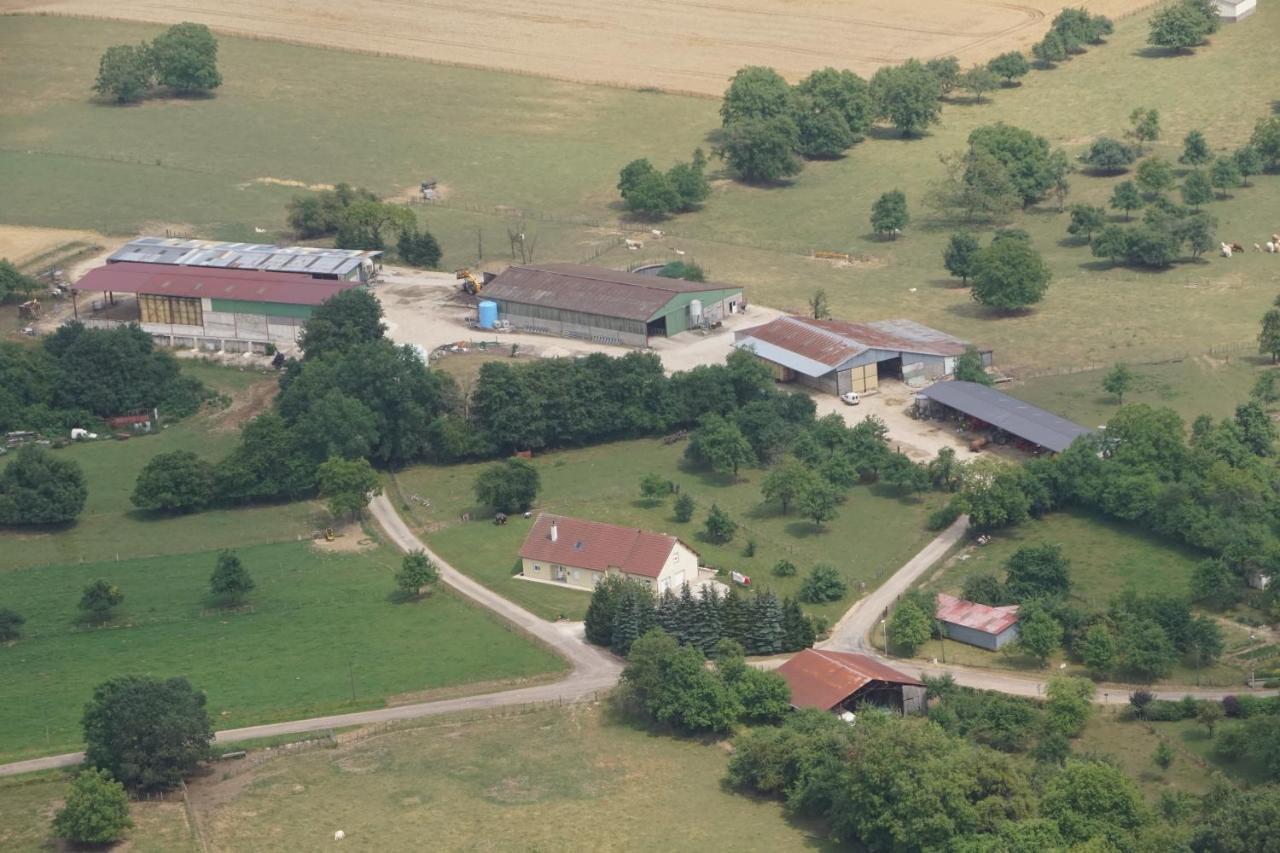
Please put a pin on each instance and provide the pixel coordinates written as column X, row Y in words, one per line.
column 591, row 290
column 823, row 679
column 583, row 544
column 201, row 282
column 979, row 617
column 833, row 342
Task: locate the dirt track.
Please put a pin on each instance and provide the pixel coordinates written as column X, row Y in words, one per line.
column 681, row 45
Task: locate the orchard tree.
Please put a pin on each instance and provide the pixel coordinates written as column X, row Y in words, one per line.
column 889, row 213
column 1009, row 275
column 959, row 255
column 823, row 134
column 1248, row 161
column 842, row 92
column 370, row 224
column 230, row 581
column 14, row 282
column 1197, row 189
column 1179, row 27
column 1051, row 49
column 1098, row 650
column 946, row 70
column 125, row 73
column 818, row 305
column 653, row 196
column 1225, row 175
column 993, row 496
column 1086, row 219
column 146, row 732
column 762, row 150
column 1209, row 714
column 37, row 488
column 1155, row 176
column 908, row 96
column 416, row 573
column 1269, row 336
column 1144, row 125
column 1010, row 66
column 1036, row 572
column 818, row 501
column 1039, row 634
column 96, row 812
column 654, row 487
column 1109, row 156
column 786, row 482
column 1195, row 150
column 185, row 57
column 1126, row 197
column 1118, row 380
column 978, row 80
column 509, row 486
column 347, row 485
column 177, row 482
column 99, row 598
column 720, row 445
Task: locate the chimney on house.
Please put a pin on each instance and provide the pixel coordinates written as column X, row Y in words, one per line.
column 554, row 533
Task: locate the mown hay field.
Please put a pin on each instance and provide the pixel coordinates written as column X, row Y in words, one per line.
column 684, row 45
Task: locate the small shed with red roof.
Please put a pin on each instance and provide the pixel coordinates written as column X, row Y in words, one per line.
column 977, row 624
column 578, row 553
column 845, row 681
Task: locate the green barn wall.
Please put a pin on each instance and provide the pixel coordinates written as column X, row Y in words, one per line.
column 677, row 310
column 269, row 309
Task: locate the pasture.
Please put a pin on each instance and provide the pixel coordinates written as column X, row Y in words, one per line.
column 874, row 534
column 322, row 633
column 682, row 46
column 564, row 779
column 504, row 145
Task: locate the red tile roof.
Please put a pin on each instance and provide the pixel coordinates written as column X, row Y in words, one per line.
column 214, row 283
column 979, row 617
column 823, row 679
column 594, row 545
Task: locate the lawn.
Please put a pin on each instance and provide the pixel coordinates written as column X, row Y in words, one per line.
column 556, row 149
column 321, row 635
column 557, row 779
column 110, row 527
column 1191, row 387
column 873, row 535
column 1131, row 745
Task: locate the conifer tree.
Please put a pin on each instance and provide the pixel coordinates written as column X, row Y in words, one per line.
column 797, row 627
column 686, row 616
column 736, row 616
column 602, row 609
column 668, row 613
column 635, row 616
column 708, row 627
column 765, row 632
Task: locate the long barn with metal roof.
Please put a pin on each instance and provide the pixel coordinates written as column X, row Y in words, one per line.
column 835, row 356
column 987, row 407
column 312, row 261
column 607, row 306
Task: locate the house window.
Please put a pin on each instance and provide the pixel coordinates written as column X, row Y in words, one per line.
column 537, row 568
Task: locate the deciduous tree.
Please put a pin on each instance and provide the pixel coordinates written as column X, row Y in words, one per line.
column 185, row 58
column 959, row 255
column 416, row 573
column 978, row 80
column 909, row 628
column 177, row 482
column 719, row 527
column 1195, row 150
column 96, row 811
column 907, row 95
column 762, row 150
column 818, row 502
column 823, row 584
column 99, row 598
column 1155, row 176
column 786, row 482
column 755, row 92
column 1086, row 219
column 889, row 213
column 509, row 486
column 1118, row 380
column 1010, row 275
column 125, row 73
column 1197, row 189
column 1109, row 156
column 37, row 488
column 230, row 580
column 347, row 485
column 1010, row 66
column 11, row 622
column 147, row 732
column 1126, row 197
column 1225, row 175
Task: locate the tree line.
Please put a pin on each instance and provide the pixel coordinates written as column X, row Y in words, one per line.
column 183, row 59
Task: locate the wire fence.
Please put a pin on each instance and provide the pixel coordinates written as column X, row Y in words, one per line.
column 1224, row 350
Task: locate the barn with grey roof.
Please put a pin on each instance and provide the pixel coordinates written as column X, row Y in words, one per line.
column 985, row 408
column 312, row 261
column 607, row 306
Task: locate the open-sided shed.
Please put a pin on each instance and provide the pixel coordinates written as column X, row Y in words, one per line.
column 845, row 681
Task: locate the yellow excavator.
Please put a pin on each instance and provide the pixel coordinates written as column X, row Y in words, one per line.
column 470, row 283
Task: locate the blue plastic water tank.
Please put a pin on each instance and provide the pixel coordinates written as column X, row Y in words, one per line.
column 488, row 314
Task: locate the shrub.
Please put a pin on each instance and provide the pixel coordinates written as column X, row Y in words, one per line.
column 785, row 569
column 823, row 584
column 11, row 622
column 96, row 811
column 940, row 519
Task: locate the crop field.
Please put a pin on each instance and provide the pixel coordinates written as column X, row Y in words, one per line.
column 669, row 44
column 873, row 535
column 321, row 633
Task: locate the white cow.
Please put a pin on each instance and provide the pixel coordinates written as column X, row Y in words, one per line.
column 339, row 835
column 1272, row 248
column 1226, row 250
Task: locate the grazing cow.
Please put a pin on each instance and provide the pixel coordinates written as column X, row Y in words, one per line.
column 1226, row 250
column 1272, row 248
column 1257, row 248
column 680, row 252
column 1236, row 247
column 1275, row 238
column 634, row 244
column 655, row 232
column 339, row 835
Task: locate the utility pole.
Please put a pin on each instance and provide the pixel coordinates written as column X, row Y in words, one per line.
column 351, row 674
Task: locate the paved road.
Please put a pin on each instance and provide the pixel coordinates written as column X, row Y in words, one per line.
column 593, row 670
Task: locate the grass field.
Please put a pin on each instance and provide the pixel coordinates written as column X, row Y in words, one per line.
column 871, row 538
column 1107, row 558
column 322, row 635
column 111, row 528
column 563, row 779
column 684, row 46
column 1192, row 386
column 519, row 143
column 27, row 806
